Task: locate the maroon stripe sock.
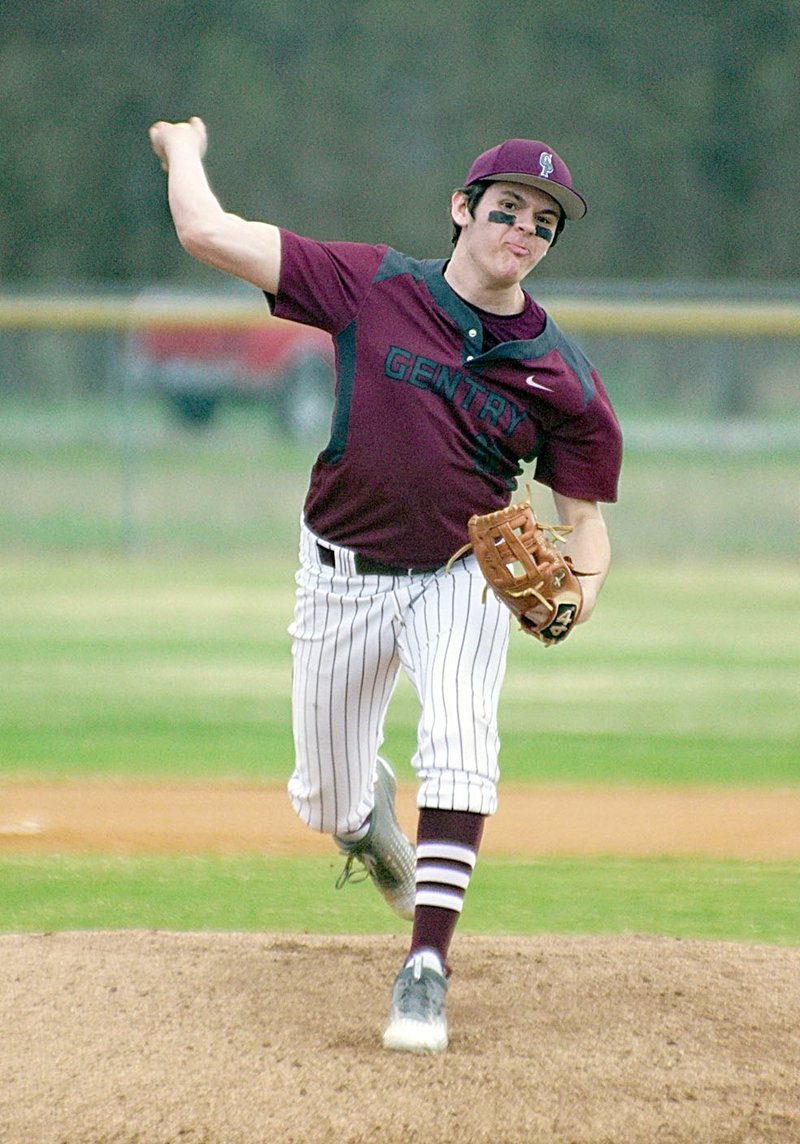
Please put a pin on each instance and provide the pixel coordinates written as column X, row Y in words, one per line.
column 447, row 847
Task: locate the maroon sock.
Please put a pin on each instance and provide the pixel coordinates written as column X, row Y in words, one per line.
column 447, row 849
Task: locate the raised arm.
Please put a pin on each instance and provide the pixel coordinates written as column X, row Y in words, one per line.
column 588, row 546
column 248, row 250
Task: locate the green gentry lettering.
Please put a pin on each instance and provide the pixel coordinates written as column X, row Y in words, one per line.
column 455, row 386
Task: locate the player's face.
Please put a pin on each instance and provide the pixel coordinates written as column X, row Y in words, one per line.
column 511, row 231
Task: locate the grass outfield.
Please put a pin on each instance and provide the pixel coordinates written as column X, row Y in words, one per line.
column 729, row 901
column 121, row 667
column 101, row 474
column 181, row 668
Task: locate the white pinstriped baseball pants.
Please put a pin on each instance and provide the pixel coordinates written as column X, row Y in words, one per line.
column 351, row 636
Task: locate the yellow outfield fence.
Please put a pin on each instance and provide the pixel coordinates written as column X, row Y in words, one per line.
column 702, row 355
column 702, row 318
column 105, row 448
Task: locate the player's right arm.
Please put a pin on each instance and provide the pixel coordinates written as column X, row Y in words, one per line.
column 237, row 246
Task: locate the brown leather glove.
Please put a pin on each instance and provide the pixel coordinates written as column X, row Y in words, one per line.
column 525, row 570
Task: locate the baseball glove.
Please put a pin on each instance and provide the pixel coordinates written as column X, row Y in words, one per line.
column 525, row 570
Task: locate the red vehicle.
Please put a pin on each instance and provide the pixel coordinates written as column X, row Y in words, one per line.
column 286, row 366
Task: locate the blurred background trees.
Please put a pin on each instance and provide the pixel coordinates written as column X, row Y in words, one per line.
column 356, row 120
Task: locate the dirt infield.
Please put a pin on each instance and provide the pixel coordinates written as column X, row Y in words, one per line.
column 161, row 1038
column 152, row 1038
column 174, row 818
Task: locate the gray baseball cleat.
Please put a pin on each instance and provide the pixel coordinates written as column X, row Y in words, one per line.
column 384, row 853
column 417, row 1022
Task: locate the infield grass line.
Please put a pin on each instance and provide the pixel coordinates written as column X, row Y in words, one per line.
column 707, row 899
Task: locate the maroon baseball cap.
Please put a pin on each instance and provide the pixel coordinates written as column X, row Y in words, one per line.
column 533, row 163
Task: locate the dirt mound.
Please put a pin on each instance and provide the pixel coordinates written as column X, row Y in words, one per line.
column 156, row 1038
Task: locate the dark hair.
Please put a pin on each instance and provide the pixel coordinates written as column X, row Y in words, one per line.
column 475, row 193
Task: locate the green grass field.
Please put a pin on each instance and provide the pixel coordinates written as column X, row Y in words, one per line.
column 719, row 900
column 105, row 474
column 145, row 592
column 180, row 669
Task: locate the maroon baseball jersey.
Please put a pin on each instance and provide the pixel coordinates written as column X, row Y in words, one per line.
column 437, row 403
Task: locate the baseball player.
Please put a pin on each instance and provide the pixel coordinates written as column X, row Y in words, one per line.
column 449, row 377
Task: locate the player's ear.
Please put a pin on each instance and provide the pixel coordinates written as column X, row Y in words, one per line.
column 459, row 208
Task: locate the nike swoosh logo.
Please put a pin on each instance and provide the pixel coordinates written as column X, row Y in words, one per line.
column 534, row 384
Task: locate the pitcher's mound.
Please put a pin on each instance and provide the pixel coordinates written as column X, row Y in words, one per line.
column 162, row 1038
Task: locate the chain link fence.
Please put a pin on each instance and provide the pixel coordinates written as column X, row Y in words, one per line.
column 98, row 455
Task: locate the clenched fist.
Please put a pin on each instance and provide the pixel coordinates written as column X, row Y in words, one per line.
column 164, row 136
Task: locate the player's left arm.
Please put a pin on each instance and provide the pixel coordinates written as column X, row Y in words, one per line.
column 587, row 545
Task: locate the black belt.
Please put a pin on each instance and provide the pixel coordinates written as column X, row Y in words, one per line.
column 366, row 566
